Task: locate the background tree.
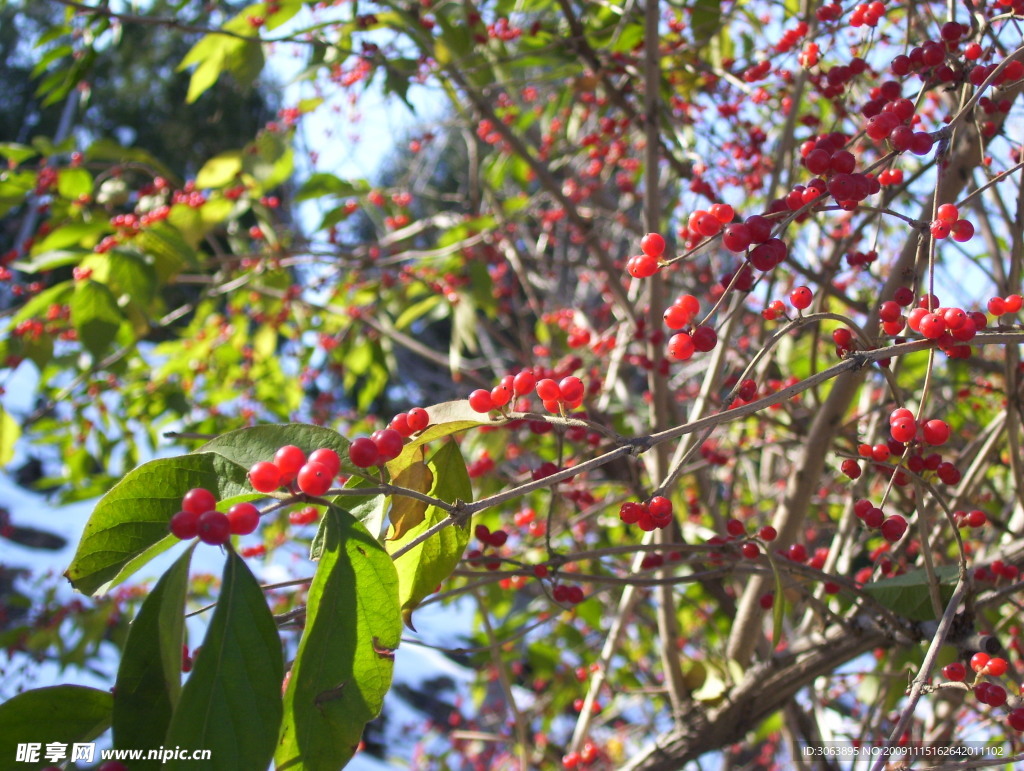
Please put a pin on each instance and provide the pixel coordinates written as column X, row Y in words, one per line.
column 739, row 485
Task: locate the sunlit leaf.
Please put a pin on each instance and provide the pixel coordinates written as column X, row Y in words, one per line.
column 346, row 655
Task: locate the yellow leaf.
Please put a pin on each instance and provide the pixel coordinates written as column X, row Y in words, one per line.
column 408, row 512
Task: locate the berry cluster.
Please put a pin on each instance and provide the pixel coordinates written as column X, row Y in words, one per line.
column 494, row 540
column 750, row 549
column 985, row 691
column 377, row 448
column 947, row 222
column 892, row 527
column 588, row 754
column 655, row 514
column 557, row 395
column 290, row 468
column 951, row 328
column 199, row 517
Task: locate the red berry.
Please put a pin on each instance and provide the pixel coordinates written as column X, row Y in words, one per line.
column 548, row 390
column 401, row 424
column 851, row 468
column 570, row 389
column 659, row 507
column 1013, row 302
column 903, row 296
column 315, row 478
column 893, row 528
column 736, row 237
column 198, row 500
column 243, row 518
column 979, row 661
column 363, row 452
column 962, row 230
column 389, row 443
column 265, row 477
column 213, row 528
column 418, row 419
column 677, row 317
column 899, row 413
column 939, row 229
column 480, row 400
column 653, row 245
column 873, row 517
column 642, row 266
column 801, row 297
column 704, row 339
column 935, row 432
column 722, row 212
column 996, row 667
column 289, row 459
column 183, row 525
column 680, row 346
column 975, row 518
column 735, row 528
column 327, row 457
column 955, row 671
column 889, row 311
column 997, row 306
column 501, row 395
column 630, row 512
column 524, row 383
column 750, row 550
column 1016, row 719
column 768, row 533
column 903, row 429
column 760, row 228
column 842, row 337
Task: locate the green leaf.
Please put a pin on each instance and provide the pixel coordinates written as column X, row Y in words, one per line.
column 50, row 260
column 95, row 316
column 129, row 524
column 167, row 248
column 321, row 184
column 345, row 659
column 209, row 53
column 149, row 676
column 421, row 569
column 13, row 151
column 74, row 183
column 80, row 235
column 127, row 274
column 220, row 171
column 231, row 703
column 10, row 431
column 59, row 713
column 246, row 446
column 907, row 594
column 706, row 18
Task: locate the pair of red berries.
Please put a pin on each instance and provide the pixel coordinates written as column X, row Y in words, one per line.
column 312, row 475
column 411, row 422
column 903, row 428
column 380, row 447
column 199, row 517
